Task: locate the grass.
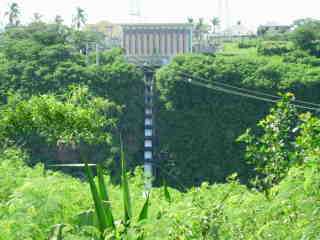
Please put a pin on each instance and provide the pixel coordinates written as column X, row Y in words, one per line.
column 232, row 49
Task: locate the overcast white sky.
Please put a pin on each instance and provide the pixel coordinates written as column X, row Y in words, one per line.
column 250, row 12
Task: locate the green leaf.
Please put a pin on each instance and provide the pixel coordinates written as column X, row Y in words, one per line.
column 144, row 211
column 125, row 190
column 56, row 233
column 102, row 219
column 87, row 218
column 167, row 195
column 102, row 185
column 105, row 198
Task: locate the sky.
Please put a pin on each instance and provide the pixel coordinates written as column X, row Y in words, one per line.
column 250, row 12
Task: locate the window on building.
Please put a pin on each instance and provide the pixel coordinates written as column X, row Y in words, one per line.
column 148, row 111
column 148, row 122
column 147, row 143
column 148, row 132
column 147, row 155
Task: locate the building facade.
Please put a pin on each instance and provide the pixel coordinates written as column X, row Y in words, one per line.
column 156, row 40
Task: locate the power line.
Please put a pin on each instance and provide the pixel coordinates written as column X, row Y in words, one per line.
column 251, row 91
column 209, row 86
column 243, row 94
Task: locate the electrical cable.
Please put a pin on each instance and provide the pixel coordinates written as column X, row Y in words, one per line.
column 254, row 91
column 243, row 94
column 209, row 86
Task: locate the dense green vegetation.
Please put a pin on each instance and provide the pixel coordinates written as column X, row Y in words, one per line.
column 198, row 127
column 246, row 171
column 32, row 203
column 47, row 59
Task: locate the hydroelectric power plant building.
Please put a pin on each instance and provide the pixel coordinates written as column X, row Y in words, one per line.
column 156, row 41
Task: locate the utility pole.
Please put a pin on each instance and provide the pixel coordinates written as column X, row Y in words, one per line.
column 148, row 129
column 224, row 14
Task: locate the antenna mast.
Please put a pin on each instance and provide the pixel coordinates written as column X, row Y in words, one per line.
column 135, row 8
column 224, row 14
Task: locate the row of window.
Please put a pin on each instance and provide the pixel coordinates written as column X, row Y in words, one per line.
column 153, row 44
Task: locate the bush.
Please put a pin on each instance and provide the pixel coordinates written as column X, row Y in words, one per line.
column 306, row 36
column 271, row 153
column 31, row 203
column 75, row 120
column 248, row 44
column 301, row 57
column 270, row 48
column 13, row 170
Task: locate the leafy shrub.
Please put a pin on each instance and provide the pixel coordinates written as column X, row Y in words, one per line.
column 272, row 153
column 301, row 57
column 248, row 44
column 306, row 36
column 270, row 48
column 36, row 203
column 12, row 163
column 81, row 119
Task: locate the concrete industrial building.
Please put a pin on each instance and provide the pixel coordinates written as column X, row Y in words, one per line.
column 149, row 40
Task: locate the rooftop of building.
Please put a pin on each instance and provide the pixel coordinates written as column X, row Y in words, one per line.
column 156, row 25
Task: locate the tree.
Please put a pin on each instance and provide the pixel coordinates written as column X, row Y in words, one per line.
column 272, row 153
column 13, row 14
column 72, row 120
column 200, row 29
column 307, row 36
column 303, row 21
column 215, row 24
column 190, row 20
column 37, row 17
column 58, row 19
column 80, row 18
column 44, row 58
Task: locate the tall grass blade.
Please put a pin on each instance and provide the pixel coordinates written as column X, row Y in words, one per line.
column 167, row 195
column 144, row 211
column 105, row 198
column 102, row 220
column 125, row 190
column 102, row 185
column 57, row 232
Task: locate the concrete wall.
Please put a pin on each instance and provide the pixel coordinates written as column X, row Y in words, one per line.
column 156, row 40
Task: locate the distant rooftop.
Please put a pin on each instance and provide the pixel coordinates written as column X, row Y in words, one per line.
column 274, row 24
column 156, row 25
column 238, row 30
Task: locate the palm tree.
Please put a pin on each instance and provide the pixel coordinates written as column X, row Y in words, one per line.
column 190, row 20
column 58, row 19
column 80, row 18
column 37, row 17
column 215, row 24
column 200, row 29
column 13, row 14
